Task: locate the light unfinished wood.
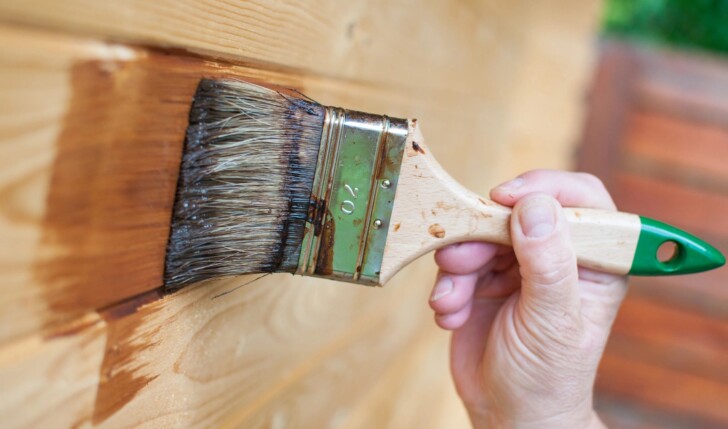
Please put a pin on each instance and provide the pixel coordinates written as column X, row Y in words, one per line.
column 255, row 357
column 544, row 114
column 371, row 41
column 289, row 351
column 421, row 387
column 51, row 382
column 432, row 210
column 527, row 63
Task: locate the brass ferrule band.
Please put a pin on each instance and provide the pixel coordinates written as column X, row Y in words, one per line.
column 352, row 196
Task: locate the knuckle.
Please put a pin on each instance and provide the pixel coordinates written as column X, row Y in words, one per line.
column 555, row 274
column 551, row 267
column 591, row 180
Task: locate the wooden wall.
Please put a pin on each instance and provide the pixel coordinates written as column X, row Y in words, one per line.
column 657, row 133
column 93, row 104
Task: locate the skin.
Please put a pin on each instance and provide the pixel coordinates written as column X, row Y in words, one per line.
column 529, row 326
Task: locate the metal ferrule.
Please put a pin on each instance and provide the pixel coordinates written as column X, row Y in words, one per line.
column 353, row 195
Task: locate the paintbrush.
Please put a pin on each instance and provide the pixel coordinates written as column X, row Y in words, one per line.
column 272, row 181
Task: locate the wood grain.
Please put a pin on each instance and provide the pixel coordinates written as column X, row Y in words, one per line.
column 355, row 41
column 252, row 355
column 92, row 197
column 36, row 71
column 76, row 205
column 51, row 382
column 282, row 350
column 122, row 372
column 506, row 54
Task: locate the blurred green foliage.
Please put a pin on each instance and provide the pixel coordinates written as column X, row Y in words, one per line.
column 699, row 24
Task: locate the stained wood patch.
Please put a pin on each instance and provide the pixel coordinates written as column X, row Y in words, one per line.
column 114, row 180
column 122, row 373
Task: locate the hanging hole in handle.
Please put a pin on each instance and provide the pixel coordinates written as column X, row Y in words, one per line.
column 668, row 252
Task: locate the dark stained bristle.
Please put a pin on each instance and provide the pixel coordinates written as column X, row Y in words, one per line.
column 245, row 183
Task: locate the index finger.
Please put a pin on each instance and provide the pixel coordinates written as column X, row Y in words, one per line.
column 569, row 188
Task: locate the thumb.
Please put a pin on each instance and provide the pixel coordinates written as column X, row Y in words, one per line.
column 542, row 243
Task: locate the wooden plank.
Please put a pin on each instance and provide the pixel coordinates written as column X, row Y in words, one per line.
column 50, row 382
column 539, row 98
column 258, row 355
column 677, row 150
column 271, row 350
column 438, row 48
column 423, row 386
column 97, row 191
column 352, row 40
column 364, row 385
column 93, row 193
column 35, row 71
column 193, row 359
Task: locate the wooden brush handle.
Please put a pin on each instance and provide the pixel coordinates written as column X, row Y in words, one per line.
column 432, row 210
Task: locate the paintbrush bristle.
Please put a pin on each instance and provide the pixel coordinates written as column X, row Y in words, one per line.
column 245, row 183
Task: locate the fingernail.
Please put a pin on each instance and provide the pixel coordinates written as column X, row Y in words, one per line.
column 537, row 217
column 512, row 184
column 443, row 288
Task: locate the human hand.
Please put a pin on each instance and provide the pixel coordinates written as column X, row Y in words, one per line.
column 529, row 325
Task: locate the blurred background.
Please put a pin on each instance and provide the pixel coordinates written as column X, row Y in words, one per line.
column 656, row 132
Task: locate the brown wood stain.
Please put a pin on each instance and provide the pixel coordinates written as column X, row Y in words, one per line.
column 122, row 376
column 108, row 213
column 114, row 178
column 113, row 182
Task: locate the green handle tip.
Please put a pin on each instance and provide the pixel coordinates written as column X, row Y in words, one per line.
column 692, row 255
